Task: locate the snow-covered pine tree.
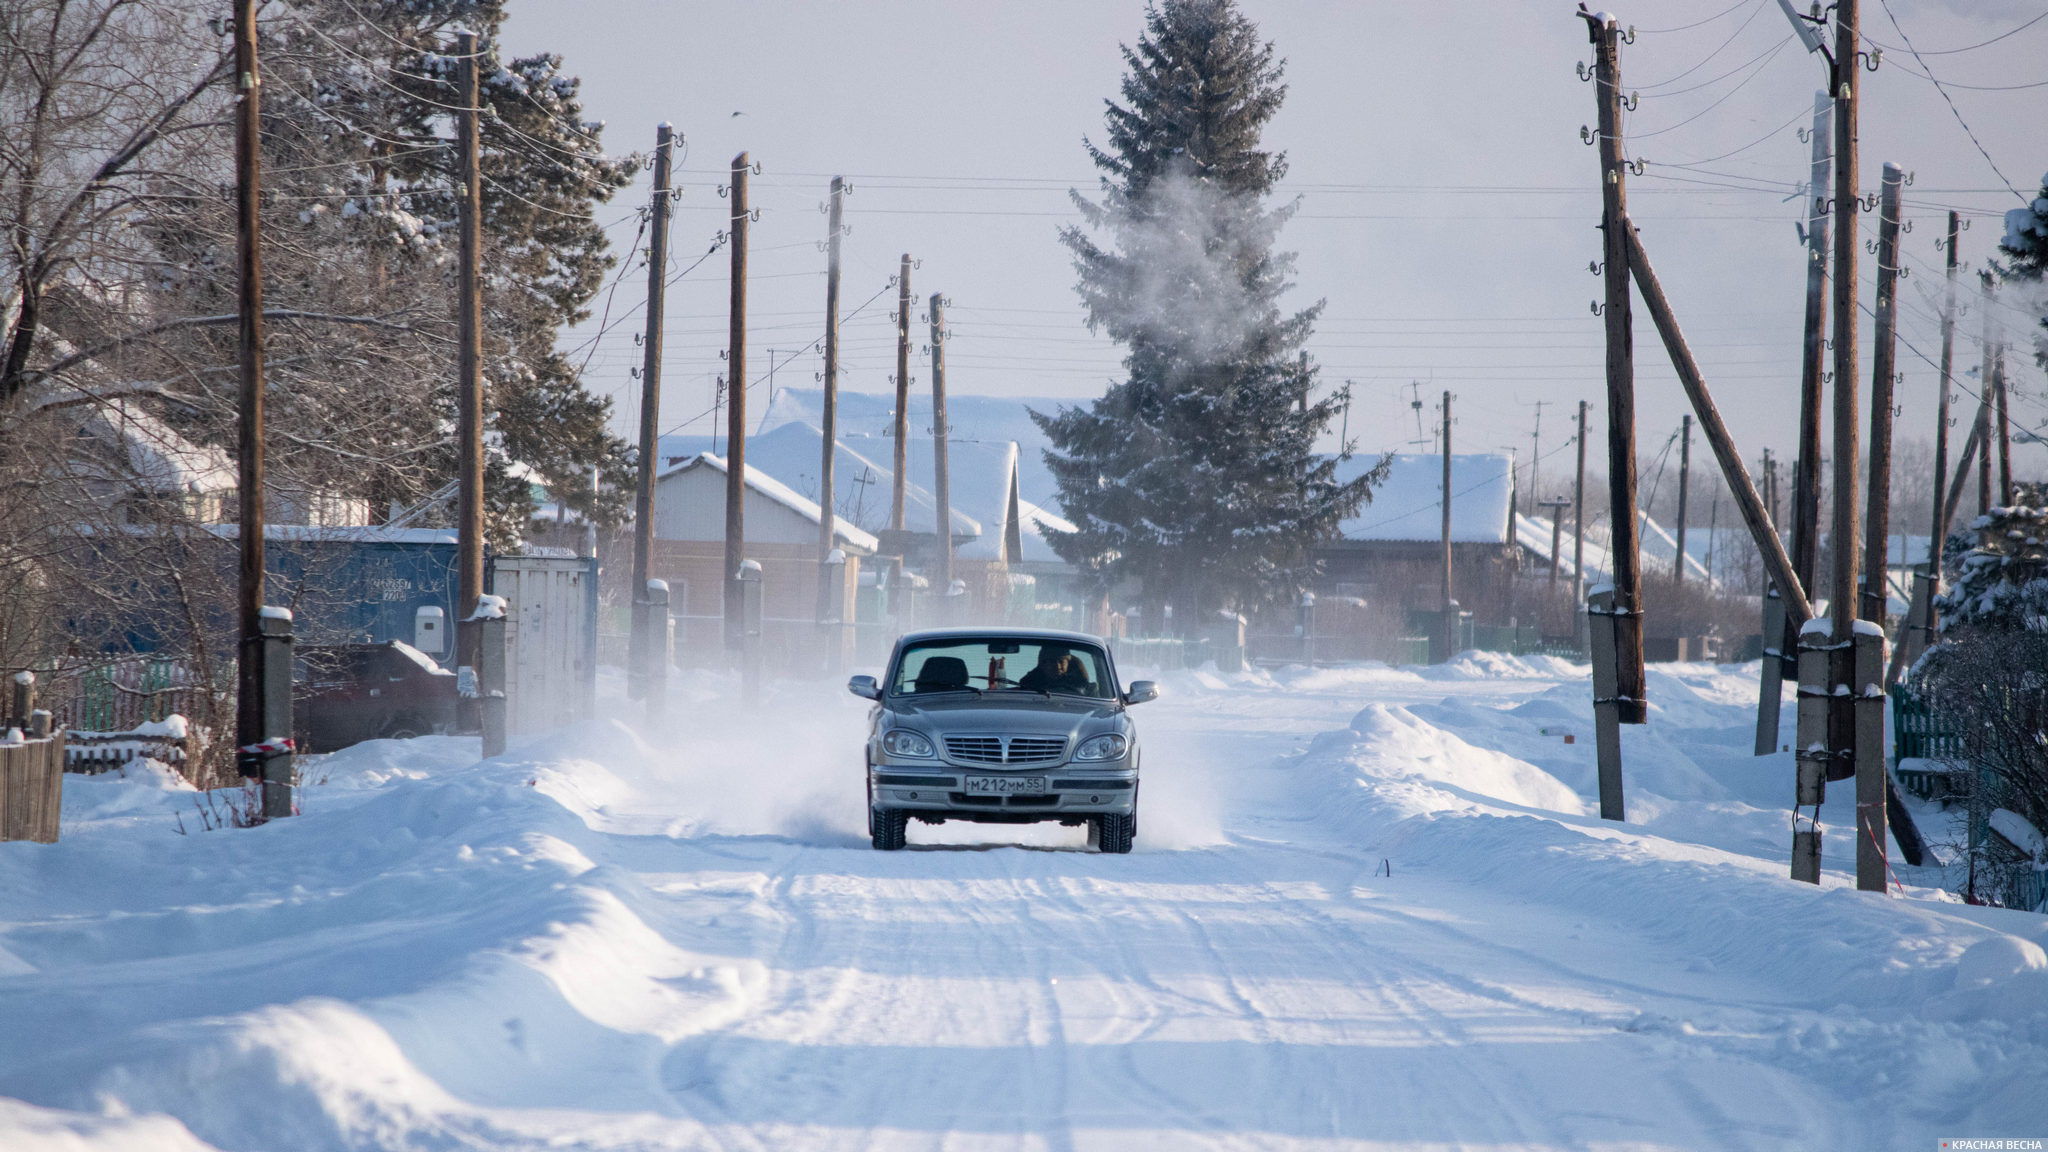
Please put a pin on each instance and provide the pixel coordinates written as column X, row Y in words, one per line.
column 379, row 79
column 2026, row 248
column 1987, row 681
column 1196, row 474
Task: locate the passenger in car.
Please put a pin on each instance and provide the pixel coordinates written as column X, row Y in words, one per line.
column 1057, row 671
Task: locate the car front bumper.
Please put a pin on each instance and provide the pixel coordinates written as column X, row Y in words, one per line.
column 942, row 788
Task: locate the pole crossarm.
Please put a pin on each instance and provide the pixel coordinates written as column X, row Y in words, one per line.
column 1776, row 563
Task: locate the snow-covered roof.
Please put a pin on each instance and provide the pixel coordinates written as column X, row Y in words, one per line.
column 861, row 475
column 157, row 455
column 1657, row 544
column 782, row 494
column 1408, row 504
column 871, row 415
column 352, row 533
column 1033, row 523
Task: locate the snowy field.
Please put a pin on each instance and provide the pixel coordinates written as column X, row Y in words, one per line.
column 1368, row 910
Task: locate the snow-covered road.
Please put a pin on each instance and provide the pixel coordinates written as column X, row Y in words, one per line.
column 1368, row 910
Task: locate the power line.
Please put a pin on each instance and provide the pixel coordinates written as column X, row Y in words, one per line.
column 1972, row 47
column 1938, row 87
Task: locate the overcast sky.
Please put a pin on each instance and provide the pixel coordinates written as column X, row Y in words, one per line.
column 1447, row 203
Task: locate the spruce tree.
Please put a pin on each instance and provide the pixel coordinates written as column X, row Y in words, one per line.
column 1195, row 474
column 2026, row 246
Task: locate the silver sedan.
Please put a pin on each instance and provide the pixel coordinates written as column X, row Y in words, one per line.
column 1002, row 726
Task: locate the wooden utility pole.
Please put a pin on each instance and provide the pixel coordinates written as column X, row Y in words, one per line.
column 2005, row 492
column 1845, row 530
column 1450, row 625
column 1806, row 463
column 643, row 645
column 470, row 372
column 1557, row 506
column 941, row 482
column 902, row 426
column 249, row 306
column 1684, row 480
column 736, row 413
column 263, row 665
column 827, row 529
column 1579, row 520
column 1883, row 359
column 1941, row 419
column 1984, row 399
column 1632, row 705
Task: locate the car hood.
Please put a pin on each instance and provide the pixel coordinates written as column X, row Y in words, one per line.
column 1008, row 715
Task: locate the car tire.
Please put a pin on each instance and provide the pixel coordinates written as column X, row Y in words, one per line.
column 1113, row 832
column 887, row 827
column 403, row 728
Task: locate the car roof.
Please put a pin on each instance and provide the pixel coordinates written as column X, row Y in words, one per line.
column 923, row 634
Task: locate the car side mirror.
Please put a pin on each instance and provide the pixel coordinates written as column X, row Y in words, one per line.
column 1141, row 691
column 864, row 687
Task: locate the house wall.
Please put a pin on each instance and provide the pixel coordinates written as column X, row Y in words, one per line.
column 1410, row 576
column 690, row 505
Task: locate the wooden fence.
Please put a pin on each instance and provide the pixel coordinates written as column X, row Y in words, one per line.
column 118, row 694
column 31, row 783
column 116, row 709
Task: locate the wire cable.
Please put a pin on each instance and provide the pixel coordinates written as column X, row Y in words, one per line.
column 1981, row 151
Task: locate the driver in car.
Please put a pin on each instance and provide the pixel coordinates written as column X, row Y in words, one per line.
column 1057, row 671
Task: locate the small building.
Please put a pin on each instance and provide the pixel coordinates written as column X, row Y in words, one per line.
column 781, row 533
column 1391, row 553
column 999, row 547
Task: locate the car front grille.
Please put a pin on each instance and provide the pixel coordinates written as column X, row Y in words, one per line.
column 1036, row 749
column 991, row 749
column 979, row 749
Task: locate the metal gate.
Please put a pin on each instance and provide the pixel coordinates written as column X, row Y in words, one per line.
column 550, row 638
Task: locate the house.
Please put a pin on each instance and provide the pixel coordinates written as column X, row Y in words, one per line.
column 128, row 460
column 781, row 534
column 1391, row 552
column 998, row 536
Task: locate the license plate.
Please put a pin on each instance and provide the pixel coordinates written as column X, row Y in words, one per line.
column 1006, row 785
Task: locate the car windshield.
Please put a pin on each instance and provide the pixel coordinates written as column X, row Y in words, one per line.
column 996, row 664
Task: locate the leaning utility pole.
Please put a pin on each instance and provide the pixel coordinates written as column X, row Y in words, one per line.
column 941, row 482
column 263, row 666
column 1631, row 702
column 642, row 646
column 470, row 375
column 829, row 598
column 1684, row 480
column 901, row 430
column 1883, row 358
column 1450, row 625
column 736, row 414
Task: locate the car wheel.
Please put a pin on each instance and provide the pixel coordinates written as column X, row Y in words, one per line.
column 403, row 728
column 1112, row 832
column 887, row 828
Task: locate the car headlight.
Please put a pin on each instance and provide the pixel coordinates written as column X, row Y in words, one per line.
column 901, row 743
column 1106, row 747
